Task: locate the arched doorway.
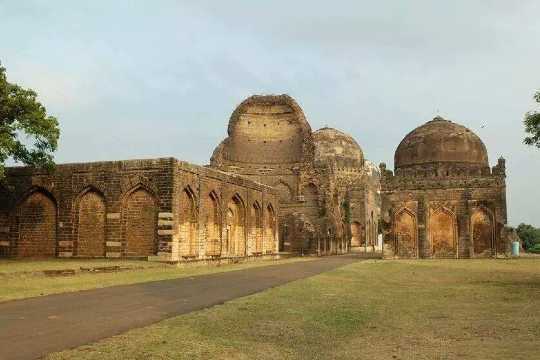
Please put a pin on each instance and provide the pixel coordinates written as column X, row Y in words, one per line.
column 236, row 238
column 188, row 223
column 91, row 225
column 405, row 233
column 36, row 217
column 140, row 223
column 270, row 230
column 213, row 226
column 257, row 228
column 443, row 233
column 482, row 233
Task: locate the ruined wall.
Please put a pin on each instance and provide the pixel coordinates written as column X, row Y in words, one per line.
column 270, row 141
column 138, row 208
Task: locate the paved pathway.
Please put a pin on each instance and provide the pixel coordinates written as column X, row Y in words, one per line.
column 32, row 328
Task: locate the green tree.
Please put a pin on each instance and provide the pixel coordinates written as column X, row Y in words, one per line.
column 532, row 125
column 529, row 235
column 27, row 134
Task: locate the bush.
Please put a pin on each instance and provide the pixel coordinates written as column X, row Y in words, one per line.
column 529, row 235
column 535, row 249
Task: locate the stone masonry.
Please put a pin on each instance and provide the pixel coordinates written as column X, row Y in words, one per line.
column 160, row 208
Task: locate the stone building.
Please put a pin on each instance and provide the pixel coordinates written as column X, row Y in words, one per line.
column 272, row 185
column 161, row 209
column 325, row 200
column 443, row 199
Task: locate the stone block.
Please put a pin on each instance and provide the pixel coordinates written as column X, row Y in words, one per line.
column 113, row 216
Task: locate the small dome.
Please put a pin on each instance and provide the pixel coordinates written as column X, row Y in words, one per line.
column 334, row 145
column 441, row 141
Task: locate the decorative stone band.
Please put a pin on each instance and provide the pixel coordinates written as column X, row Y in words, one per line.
column 113, row 216
column 165, row 215
column 165, row 223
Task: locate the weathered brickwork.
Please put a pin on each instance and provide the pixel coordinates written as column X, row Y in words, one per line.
column 321, row 177
column 37, row 225
column 91, row 225
column 140, row 215
column 444, row 201
column 159, row 208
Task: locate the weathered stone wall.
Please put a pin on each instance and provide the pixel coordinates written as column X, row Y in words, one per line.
column 270, row 141
column 138, row 208
column 444, row 217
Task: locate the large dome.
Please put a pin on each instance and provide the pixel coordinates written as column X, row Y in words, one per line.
column 334, row 145
column 441, row 141
column 266, row 129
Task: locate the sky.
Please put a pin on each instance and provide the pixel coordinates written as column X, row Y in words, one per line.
column 141, row 79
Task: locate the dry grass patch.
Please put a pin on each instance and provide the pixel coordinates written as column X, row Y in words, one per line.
column 470, row 309
column 22, row 278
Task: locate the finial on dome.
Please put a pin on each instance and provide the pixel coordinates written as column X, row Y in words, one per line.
column 439, row 118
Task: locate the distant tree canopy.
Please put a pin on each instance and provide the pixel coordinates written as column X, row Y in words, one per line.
column 532, row 125
column 27, row 133
column 529, row 235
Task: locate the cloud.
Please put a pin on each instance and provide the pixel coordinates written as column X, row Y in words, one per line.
column 133, row 79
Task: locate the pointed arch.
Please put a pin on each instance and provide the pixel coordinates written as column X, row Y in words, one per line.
column 270, row 229
column 188, row 222
column 482, row 231
column 36, row 217
column 257, row 227
column 90, row 223
column 235, row 230
column 213, row 225
column 442, row 230
column 284, row 190
column 139, row 220
column 405, row 233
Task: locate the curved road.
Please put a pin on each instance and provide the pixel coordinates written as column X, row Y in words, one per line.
column 32, row 328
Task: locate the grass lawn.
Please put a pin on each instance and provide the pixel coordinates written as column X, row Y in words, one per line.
column 455, row 309
column 23, row 278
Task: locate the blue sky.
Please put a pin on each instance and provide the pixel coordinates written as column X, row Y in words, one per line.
column 136, row 79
